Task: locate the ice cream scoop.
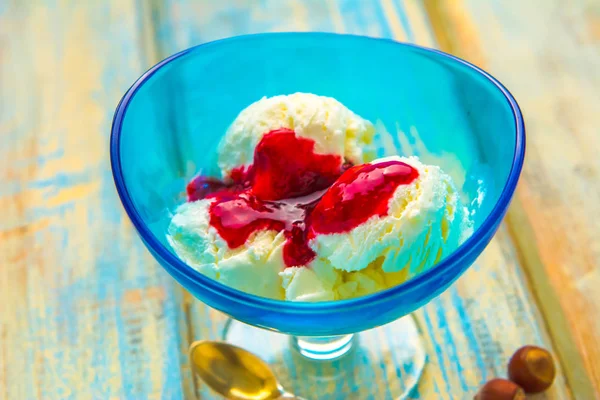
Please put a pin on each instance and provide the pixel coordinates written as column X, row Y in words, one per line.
column 333, row 128
column 412, row 226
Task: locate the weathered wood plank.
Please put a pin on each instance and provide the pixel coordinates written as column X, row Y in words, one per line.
column 84, row 311
column 548, row 55
column 474, row 327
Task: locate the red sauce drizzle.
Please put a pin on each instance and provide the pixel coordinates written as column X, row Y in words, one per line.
column 285, row 190
column 360, row 193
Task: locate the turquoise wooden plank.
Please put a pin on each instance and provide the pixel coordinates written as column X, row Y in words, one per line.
column 84, row 311
column 472, row 329
column 547, row 54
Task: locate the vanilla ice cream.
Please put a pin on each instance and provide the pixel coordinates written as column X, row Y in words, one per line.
column 253, row 267
column 257, row 267
column 322, row 282
column 425, row 222
column 334, row 128
column 273, row 246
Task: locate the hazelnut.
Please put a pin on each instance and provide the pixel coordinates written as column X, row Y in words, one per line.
column 532, row 368
column 500, row 389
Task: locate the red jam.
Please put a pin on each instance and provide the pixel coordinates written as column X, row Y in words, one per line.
column 284, row 190
column 286, row 166
column 360, row 193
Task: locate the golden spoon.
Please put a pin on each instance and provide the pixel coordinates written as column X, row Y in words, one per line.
column 235, row 373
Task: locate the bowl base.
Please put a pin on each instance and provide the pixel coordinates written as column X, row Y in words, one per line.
column 383, row 363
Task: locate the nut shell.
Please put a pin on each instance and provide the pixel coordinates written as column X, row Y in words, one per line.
column 500, row 389
column 532, row 368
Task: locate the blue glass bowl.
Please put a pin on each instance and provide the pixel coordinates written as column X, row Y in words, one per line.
column 167, row 126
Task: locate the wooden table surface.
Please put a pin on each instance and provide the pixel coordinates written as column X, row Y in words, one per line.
column 86, row 313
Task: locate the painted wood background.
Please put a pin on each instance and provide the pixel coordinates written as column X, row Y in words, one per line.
column 85, row 313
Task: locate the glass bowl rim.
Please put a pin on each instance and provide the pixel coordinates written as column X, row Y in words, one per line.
column 285, row 306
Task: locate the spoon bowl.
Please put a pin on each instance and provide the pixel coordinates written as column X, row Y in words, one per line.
column 235, row 373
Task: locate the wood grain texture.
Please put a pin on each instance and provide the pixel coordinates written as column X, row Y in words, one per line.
column 84, row 310
column 471, row 330
column 85, row 313
column 548, row 54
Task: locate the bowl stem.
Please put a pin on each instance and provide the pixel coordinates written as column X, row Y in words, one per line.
column 323, row 348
